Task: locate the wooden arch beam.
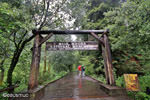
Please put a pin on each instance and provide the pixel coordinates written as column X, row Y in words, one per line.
column 98, row 38
column 60, row 32
column 45, row 39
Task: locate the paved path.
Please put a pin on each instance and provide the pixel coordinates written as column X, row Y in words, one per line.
column 72, row 87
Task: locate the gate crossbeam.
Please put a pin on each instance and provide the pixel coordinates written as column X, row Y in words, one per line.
column 59, row 32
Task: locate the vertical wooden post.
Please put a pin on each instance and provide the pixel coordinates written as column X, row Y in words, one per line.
column 105, row 64
column 108, row 62
column 34, row 70
column 44, row 70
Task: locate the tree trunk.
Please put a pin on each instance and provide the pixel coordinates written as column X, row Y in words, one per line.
column 70, row 68
column 14, row 61
column 1, row 77
column 49, row 67
column 13, row 64
column 2, row 72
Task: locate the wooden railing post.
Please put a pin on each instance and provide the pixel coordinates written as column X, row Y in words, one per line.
column 35, row 64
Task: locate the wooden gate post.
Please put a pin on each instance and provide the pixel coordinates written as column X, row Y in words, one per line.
column 108, row 61
column 103, row 40
column 34, row 70
column 105, row 65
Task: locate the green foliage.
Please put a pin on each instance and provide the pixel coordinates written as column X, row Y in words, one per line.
column 142, row 96
column 95, row 15
column 50, row 76
column 139, row 95
column 128, row 25
column 120, row 81
column 62, row 61
column 12, row 19
column 93, row 63
column 77, row 8
column 3, row 98
column 144, row 82
column 101, row 78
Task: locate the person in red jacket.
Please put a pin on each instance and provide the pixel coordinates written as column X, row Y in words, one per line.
column 79, row 69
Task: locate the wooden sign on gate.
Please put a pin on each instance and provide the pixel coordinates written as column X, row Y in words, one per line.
column 88, row 45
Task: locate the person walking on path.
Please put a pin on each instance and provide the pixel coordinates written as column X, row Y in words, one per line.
column 79, row 69
column 83, row 70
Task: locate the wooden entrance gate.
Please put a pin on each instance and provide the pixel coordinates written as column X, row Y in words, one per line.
column 39, row 40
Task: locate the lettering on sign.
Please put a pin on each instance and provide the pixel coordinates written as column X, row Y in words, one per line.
column 88, row 45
